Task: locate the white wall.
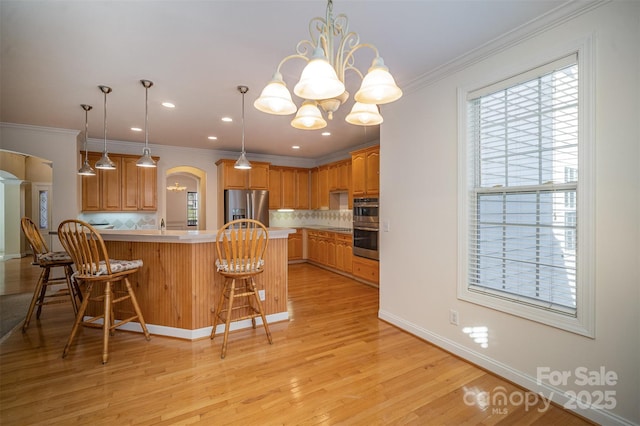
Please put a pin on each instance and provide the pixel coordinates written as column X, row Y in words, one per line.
column 419, row 199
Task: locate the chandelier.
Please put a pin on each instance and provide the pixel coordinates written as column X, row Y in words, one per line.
column 332, row 47
column 176, row 187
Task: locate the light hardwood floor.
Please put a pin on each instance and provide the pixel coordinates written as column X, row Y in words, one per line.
column 333, row 362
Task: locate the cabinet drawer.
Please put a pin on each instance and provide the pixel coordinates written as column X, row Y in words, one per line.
column 366, row 269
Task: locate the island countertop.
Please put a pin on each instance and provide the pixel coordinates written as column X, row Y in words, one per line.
column 174, row 236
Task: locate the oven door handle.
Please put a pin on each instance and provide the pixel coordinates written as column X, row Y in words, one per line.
column 365, row 228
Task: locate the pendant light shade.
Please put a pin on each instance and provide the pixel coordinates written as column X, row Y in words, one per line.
column 86, row 169
column 364, row 115
column 378, row 86
column 242, row 162
column 309, row 117
column 105, row 162
column 318, row 79
column 275, row 98
column 146, row 160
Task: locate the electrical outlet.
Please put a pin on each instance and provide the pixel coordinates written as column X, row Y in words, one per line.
column 453, row 317
column 261, row 294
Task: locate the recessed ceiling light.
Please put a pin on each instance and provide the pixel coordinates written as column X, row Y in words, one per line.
column 213, row 138
column 136, row 129
column 227, row 119
column 168, row 105
column 326, row 133
column 295, row 147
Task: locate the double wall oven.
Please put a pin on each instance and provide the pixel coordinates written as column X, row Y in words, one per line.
column 365, row 227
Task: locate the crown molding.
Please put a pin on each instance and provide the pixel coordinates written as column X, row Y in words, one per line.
column 531, row 29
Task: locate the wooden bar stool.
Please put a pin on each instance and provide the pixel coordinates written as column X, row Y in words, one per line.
column 240, row 245
column 93, row 266
column 48, row 260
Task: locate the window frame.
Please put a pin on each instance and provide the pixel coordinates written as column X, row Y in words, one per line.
column 583, row 322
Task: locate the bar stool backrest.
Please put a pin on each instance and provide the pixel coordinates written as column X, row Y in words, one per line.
column 37, row 243
column 240, row 245
column 86, row 247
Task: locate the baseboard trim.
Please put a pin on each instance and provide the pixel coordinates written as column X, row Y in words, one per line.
column 524, row 380
column 199, row 333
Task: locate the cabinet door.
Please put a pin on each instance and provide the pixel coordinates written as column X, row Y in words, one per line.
column 288, row 188
column 295, row 246
column 373, row 172
column 333, row 177
column 129, row 184
column 232, row 178
column 331, row 252
column 275, row 188
column 302, row 189
column 259, row 176
column 358, row 183
column 323, row 187
column 91, row 188
column 315, row 204
column 110, row 184
column 148, row 188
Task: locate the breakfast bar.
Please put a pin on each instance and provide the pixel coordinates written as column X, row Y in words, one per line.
column 178, row 286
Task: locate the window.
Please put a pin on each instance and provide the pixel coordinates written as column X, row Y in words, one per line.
column 192, row 209
column 521, row 216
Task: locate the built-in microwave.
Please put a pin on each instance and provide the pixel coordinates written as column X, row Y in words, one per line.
column 365, row 227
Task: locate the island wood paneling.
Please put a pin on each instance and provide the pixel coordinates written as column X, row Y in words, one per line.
column 178, row 286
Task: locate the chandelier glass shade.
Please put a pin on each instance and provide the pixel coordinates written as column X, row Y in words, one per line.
column 86, row 169
column 146, row 160
column 322, row 81
column 105, row 162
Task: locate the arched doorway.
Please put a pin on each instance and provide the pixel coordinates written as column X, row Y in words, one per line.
column 185, row 197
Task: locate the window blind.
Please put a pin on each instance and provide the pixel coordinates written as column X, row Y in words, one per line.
column 523, row 136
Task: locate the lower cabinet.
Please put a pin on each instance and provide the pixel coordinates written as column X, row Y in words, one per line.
column 366, row 269
column 331, row 249
column 295, row 246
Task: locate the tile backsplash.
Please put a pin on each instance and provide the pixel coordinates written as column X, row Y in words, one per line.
column 334, row 218
column 122, row 220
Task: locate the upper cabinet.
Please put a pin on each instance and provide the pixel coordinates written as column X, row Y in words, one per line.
column 257, row 177
column 340, row 175
column 127, row 188
column 288, row 188
column 139, row 186
column 365, row 169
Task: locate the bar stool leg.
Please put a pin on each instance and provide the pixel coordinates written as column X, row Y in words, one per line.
column 106, row 326
column 228, row 319
column 76, row 323
column 34, row 300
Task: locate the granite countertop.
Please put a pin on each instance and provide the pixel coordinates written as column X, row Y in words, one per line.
column 157, row 236
column 335, row 229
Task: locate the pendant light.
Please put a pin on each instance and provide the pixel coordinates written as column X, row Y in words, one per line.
column 242, row 162
column 105, row 162
column 86, row 169
column 146, row 160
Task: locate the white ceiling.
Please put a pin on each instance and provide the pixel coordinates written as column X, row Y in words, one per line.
column 56, row 53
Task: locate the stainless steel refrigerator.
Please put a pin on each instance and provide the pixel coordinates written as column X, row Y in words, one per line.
column 246, row 203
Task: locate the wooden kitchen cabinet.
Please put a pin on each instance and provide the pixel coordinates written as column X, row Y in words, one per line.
column 127, row 188
column 288, row 188
column 257, row 177
column 365, row 172
column 295, row 245
column 139, row 186
column 102, row 192
column 314, row 200
column 340, row 175
column 323, row 187
column 367, row 269
column 344, row 252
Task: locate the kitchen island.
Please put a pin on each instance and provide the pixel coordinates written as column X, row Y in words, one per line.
column 178, row 287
